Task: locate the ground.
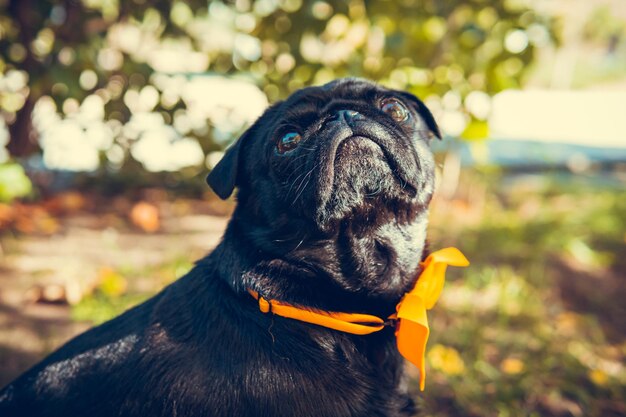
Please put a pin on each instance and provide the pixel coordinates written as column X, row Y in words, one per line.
column 534, row 327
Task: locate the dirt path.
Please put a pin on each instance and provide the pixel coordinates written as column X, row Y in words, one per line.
column 85, row 244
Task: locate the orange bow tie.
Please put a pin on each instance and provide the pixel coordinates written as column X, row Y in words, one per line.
column 411, row 325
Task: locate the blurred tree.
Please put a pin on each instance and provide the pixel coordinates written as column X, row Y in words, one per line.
column 53, row 42
column 72, row 49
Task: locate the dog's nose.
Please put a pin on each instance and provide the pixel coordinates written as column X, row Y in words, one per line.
column 347, row 116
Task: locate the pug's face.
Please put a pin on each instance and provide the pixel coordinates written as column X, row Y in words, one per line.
column 342, row 172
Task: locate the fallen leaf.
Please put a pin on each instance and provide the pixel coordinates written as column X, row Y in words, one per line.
column 112, row 283
column 145, row 216
column 67, row 202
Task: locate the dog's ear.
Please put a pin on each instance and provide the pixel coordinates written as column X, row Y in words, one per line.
column 223, row 177
column 423, row 111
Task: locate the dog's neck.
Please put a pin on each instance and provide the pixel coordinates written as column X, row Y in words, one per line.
column 352, row 271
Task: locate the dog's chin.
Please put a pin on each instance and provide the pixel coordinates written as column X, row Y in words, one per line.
column 364, row 185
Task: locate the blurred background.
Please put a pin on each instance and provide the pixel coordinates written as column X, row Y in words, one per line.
column 112, row 112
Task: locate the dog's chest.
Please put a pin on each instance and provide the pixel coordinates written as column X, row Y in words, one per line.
column 284, row 376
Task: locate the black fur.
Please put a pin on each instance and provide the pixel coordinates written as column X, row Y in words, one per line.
column 338, row 223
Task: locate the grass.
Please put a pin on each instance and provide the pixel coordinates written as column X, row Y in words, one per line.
column 528, row 341
column 535, row 326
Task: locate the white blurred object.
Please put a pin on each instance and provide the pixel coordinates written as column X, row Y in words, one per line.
column 248, row 47
column 591, row 118
column 13, row 80
column 66, row 146
column 229, row 104
column 4, row 140
column 77, row 141
column 178, row 57
column 453, row 122
column 516, row 41
column 478, row 103
column 158, row 146
column 73, row 143
column 213, row 158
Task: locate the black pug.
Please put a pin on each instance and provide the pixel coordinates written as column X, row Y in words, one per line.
column 334, row 186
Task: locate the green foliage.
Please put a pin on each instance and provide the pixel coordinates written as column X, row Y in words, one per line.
column 117, row 290
column 13, row 182
column 476, row 129
column 99, row 308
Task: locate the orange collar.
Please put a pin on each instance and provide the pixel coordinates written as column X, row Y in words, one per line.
column 410, row 318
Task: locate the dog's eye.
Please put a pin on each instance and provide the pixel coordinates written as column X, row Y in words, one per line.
column 395, row 109
column 288, row 142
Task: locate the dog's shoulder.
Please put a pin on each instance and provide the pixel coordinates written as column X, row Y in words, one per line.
column 91, row 362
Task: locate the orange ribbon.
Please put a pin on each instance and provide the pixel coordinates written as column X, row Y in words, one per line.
column 412, row 324
column 412, row 330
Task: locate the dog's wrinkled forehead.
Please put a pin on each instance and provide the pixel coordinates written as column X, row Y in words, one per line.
column 348, row 94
